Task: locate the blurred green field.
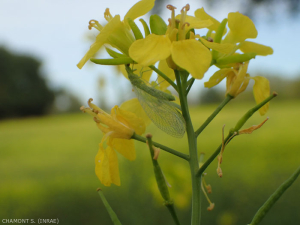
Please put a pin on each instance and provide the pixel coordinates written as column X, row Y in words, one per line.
column 47, row 170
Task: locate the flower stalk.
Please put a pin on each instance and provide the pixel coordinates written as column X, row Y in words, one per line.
column 192, row 143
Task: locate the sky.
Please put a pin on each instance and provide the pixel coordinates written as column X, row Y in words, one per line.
column 56, row 33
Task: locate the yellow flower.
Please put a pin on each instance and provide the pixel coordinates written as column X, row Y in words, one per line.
column 118, row 128
column 188, row 54
column 237, row 80
column 117, row 33
column 240, row 28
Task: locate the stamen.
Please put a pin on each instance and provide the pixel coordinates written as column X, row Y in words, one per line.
column 211, row 205
column 171, row 7
column 96, row 120
column 95, row 24
column 172, row 22
column 89, row 101
column 183, row 25
column 185, row 8
column 107, row 15
column 82, row 108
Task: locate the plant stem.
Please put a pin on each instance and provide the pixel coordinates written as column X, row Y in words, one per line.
column 274, row 197
column 190, row 84
column 212, row 116
column 193, row 161
column 165, row 148
column 237, row 127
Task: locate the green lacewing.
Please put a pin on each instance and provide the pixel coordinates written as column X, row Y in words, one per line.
column 163, row 113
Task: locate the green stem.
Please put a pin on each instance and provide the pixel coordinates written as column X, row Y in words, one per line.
column 171, row 208
column 110, row 211
column 165, row 148
column 193, row 160
column 238, row 126
column 164, row 76
column 190, row 84
column 244, row 119
column 212, row 116
column 274, row 197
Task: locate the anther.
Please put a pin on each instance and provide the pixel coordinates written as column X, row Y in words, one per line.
column 210, row 39
column 96, row 120
column 107, row 15
column 185, row 23
column 82, row 108
column 170, row 7
column 186, row 8
column 211, row 206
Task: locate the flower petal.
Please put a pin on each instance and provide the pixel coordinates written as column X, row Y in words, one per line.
column 241, row 27
column 248, row 46
column 196, row 23
column 225, row 48
column 201, row 14
column 100, row 39
column 113, row 166
column 102, row 166
column 217, row 77
column 133, row 105
column 124, row 147
column 238, row 82
column 151, row 49
column 261, row 90
column 139, row 9
column 130, row 119
column 192, row 56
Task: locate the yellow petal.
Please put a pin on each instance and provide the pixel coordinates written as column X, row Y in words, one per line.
column 139, row 9
column 241, row 27
column 225, row 48
column 192, row 56
column 100, row 39
column 201, row 14
column 151, row 49
column 196, row 23
column 163, row 67
column 130, row 119
column 113, row 166
column 124, row 147
column 133, row 105
column 238, row 82
column 248, row 46
column 217, row 77
column 261, row 90
column 102, row 166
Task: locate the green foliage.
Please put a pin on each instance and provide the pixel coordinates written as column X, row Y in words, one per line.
column 23, row 90
column 47, row 171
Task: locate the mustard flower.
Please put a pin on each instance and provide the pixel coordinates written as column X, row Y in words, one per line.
column 241, row 28
column 116, row 33
column 237, row 80
column 180, row 52
column 118, row 128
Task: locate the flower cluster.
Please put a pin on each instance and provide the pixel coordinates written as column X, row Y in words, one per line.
column 175, row 45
